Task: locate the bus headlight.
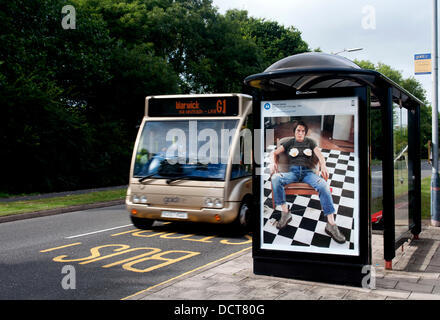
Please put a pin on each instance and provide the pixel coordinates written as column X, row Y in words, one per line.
column 139, row 199
column 213, row 202
column 208, row 202
column 218, row 203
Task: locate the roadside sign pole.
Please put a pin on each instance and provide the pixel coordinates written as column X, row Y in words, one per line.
column 435, row 180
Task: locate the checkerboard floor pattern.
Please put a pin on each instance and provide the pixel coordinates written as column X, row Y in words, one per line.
column 306, row 228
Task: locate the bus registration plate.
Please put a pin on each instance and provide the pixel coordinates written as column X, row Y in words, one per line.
column 174, row 214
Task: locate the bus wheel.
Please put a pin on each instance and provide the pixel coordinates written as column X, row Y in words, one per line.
column 244, row 215
column 142, row 223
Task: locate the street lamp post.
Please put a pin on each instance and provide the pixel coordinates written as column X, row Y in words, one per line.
column 435, row 180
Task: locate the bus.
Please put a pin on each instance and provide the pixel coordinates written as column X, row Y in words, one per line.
column 192, row 161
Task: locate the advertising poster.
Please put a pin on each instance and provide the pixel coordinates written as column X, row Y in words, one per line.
column 310, row 191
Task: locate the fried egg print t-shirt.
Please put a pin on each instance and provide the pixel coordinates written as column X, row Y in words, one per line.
column 300, row 153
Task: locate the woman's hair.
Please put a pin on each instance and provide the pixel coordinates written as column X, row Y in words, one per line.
column 297, row 123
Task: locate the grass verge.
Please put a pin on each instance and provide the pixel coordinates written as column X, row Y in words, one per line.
column 376, row 204
column 16, row 207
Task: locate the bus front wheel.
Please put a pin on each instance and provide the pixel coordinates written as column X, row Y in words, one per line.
column 142, row 223
column 245, row 215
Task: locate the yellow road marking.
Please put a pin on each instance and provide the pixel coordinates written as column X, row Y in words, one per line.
column 205, row 239
column 186, row 273
column 61, row 247
column 226, row 241
column 159, row 256
column 129, row 231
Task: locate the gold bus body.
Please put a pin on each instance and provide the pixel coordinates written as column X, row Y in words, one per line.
column 188, row 196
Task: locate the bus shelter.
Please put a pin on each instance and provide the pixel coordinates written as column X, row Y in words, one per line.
column 366, row 130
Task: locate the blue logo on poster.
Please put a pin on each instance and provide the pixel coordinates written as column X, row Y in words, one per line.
column 267, row 106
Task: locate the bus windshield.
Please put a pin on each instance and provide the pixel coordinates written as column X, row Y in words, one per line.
column 184, row 149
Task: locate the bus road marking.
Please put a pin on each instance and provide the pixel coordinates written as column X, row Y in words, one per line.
column 239, row 243
column 161, row 258
column 124, row 232
column 186, row 237
column 61, row 247
column 99, row 231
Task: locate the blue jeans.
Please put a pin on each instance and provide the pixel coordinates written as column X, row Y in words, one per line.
column 306, row 175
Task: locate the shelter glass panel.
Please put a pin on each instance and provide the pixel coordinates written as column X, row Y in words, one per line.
column 376, row 170
column 400, row 156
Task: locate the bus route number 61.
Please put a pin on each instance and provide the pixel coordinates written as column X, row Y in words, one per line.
column 221, row 106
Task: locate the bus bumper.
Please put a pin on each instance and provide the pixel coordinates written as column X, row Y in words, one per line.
column 224, row 215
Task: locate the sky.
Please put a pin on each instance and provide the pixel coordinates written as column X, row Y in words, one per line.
column 390, row 31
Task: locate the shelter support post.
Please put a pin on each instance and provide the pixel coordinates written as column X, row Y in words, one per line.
column 386, row 98
column 415, row 196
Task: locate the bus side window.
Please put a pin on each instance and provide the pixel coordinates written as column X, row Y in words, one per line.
column 242, row 160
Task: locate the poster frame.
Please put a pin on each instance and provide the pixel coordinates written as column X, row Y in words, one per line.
column 331, row 268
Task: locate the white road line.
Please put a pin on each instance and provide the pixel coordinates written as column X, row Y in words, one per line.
column 89, row 233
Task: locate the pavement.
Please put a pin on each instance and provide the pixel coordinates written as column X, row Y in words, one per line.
column 415, row 276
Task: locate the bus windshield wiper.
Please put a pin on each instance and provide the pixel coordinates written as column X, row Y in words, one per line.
column 193, row 178
column 146, row 177
column 180, row 178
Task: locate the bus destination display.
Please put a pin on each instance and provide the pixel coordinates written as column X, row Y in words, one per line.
column 196, row 107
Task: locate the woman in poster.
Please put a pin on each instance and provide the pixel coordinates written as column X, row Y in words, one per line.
column 303, row 154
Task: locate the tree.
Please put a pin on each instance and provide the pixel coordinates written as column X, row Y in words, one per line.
column 274, row 41
column 414, row 87
column 204, row 48
column 71, row 99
